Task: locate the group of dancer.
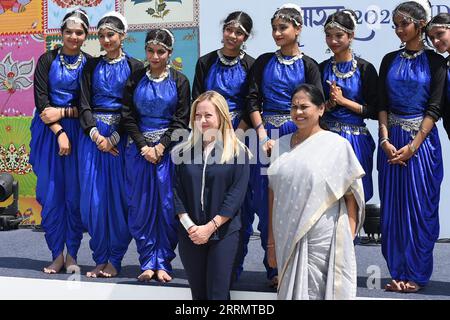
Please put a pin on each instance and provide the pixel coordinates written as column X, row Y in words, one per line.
column 104, row 138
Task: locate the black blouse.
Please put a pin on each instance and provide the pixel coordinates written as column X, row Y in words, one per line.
column 203, row 65
column 202, row 68
column 369, row 83
column 41, row 85
column 437, row 70
column 255, row 95
column 87, row 120
column 224, row 191
column 130, row 116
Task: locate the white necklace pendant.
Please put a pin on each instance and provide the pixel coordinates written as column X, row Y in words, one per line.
column 70, row 66
column 408, row 56
column 227, row 62
column 342, row 75
column 115, row 60
column 285, row 61
column 161, row 78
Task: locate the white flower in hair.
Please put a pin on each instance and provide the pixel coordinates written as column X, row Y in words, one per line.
column 348, row 12
column 291, row 6
column 119, row 16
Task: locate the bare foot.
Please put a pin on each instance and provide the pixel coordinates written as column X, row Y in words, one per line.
column 146, row 276
column 163, row 276
column 108, row 272
column 411, row 287
column 274, row 282
column 395, row 286
column 96, row 272
column 56, row 266
column 71, row 265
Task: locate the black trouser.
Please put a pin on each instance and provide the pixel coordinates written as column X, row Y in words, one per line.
column 209, row 266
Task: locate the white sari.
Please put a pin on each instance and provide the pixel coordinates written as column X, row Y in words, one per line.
column 313, row 240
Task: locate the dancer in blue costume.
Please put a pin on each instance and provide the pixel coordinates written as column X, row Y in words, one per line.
column 438, row 31
column 54, row 142
column 101, row 151
column 350, row 85
column 156, row 103
column 226, row 70
column 273, row 78
column 410, row 158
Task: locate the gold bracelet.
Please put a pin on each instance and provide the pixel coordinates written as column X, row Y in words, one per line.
column 412, row 147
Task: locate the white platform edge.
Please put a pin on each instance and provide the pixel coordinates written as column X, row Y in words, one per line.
column 15, row 288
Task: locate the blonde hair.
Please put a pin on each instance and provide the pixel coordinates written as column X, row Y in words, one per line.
column 231, row 144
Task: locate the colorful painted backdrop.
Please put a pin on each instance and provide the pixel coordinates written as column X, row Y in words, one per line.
column 30, row 27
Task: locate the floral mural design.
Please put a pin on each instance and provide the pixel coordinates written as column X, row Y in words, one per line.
column 16, row 6
column 14, row 160
column 14, row 76
column 80, row 3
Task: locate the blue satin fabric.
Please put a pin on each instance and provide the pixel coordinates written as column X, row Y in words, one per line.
column 149, row 187
column 410, row 195
column 103, row 204
column 408, row 84
column 364, row 147
column 57, row 188
column 410, row 207
column 107, row 93
column 156, row 102
column 102, row 176
column 362, row 144
column 278, row 84
column 230, row 82
column 151, row 216
column 63, row 84
column 258, row 198
column 351, row 89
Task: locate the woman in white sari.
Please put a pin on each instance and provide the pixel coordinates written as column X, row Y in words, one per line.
column 316, row 202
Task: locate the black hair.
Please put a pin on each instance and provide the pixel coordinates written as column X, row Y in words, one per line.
column 116, row 22
column 441, row 18
column 316, row 97
column 159, row 35
column 243, row 18
column 77, row 13
column 288, row 15
column 343, row 18
column 415, row 10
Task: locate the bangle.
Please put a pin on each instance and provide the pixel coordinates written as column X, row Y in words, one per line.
column 186, row 221
column 259, row 126
column 383, row 140
column 114, row 139
column 57, row 134
column 425, row 132
column 92, row 133
column 412, row 147
column 263, row 141
column 270, row 245
column 361, row 108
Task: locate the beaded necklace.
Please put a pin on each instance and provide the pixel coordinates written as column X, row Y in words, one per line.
column 285, row 61
column 160, row 78
column 342, row 75
column 227, row 62
column 70, row 66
